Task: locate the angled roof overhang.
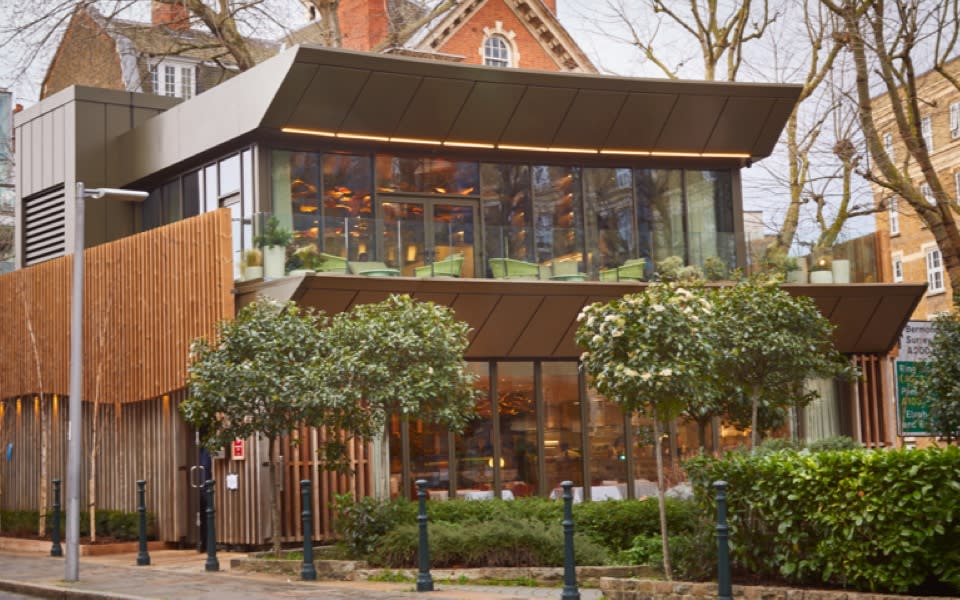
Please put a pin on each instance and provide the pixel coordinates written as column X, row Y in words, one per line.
column 405, row 101
column 527, row 320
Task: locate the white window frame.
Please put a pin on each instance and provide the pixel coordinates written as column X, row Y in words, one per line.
column 896, row 260
column 496, row 52
column 927, row 194
column 176, row 78
column 955, row 120
column 893, row 212
column 926, row 130
column 956, row 183
column 934, row 265
column 888, row 145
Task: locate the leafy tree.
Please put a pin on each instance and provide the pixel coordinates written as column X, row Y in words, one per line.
column 769, row 342
column 652, row 353
column 941, row 388
column 401, row 357
column 262, row 375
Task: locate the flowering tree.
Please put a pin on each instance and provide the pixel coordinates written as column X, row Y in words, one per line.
column 652, row 353
column 768, row 342
column 401, row 357
column 262, row 374
column 941, row 387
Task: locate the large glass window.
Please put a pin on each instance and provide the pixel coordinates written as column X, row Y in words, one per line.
column 507, row 211
column 610, row 217
column 608, row 446
column 347, row 208
column 426, row 175
column 558, row 215
column 562, row 443
column 660, row 212
column 517, row 410
column 474, row 447
column 710, row 230
column 192, row 194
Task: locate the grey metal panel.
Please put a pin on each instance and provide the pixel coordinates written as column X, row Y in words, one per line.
column 434, row 108
column 91, row 127
column 590, row 118
column 381, row 103
column 36, row 155
column 485, row 112
column 48, row 150
column 24, row 161
column 640, row 121
column 776, row 118
column 537, row 116
column 690, row 123
column 61, row 148
column 325, row 97
column 739, row 125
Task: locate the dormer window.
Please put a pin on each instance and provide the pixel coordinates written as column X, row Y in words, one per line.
column 496, row 52
column 174, row 78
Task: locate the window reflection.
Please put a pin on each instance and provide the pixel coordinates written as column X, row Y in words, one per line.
column 558, row 215
column 710, row 216
column 474, row 447
column 608, row 451
column 610, row 217
column 660, row 212
column 426, row 175
column 347, row 207
column 562, row 445
column 507, row 211
column 429, row 456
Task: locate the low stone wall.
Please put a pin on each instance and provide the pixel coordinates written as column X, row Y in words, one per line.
column 24, row 546
column 348, row 570
column 650, row 589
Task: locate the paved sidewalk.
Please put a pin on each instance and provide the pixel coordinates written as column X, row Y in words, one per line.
column 180, row 575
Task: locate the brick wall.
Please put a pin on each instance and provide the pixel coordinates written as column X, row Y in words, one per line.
column 468, row 40
column 87, row 56
column 649, row 589
column 174, row 16
column 363, row 23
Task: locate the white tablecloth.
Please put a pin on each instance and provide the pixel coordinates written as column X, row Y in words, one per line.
column 483, row 494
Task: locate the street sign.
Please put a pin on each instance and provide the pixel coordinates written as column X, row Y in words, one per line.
column 237, row 450
column 912, row 410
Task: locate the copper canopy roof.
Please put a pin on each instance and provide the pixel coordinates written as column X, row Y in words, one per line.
column 527, row 320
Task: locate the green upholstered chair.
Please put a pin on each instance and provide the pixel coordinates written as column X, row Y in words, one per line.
column 332, row 264
column 371, row 269
column 509, row 268
column 566, row 270
column 632, row 269
column 447, row 267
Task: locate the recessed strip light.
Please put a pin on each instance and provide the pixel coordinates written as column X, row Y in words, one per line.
column 468, row 144
column 522, row 148
column 725, row 155
column 363, row 136
column 626, row 152
column 309, row 131
column 572, row 150
column 403, row 140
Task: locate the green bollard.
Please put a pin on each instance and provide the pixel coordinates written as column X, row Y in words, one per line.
column 424, row 580
column 724, row 588
column 570, row 591
column 142, row 557
column 212, row 563
column 56, row 549
column 308, row 571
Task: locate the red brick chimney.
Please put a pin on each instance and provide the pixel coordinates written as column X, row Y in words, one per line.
column 175, row 16
column 363, row 23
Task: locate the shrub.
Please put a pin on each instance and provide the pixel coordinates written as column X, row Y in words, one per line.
column 876, row 520
column 615, row 524
column 502, row 542
column 361, row 523
column 124, row 526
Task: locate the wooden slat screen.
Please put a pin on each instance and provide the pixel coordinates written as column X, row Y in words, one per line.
column 145, row 298
column 873, row 424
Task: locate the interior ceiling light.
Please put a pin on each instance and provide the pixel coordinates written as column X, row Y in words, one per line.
column 468, row 144
column 308, row 131
column 403, row 140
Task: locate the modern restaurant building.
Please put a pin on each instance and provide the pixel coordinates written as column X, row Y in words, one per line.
column 514, row 197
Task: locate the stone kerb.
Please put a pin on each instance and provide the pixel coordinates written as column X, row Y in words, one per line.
column 649, row 589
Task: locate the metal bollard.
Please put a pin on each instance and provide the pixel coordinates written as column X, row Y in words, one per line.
column 724, row 588
column 308, row 572
column 142, row 557
column 56, row 549
column 212, row 563
column 424, row 581
column 570, row 591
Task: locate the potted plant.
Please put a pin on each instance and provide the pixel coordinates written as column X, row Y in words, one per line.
column 795, row 271
column 821, row 273
column 305, row 260
column 841, row 270
column 252, row 264
column 274, row 239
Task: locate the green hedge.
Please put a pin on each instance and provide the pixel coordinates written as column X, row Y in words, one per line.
column 124, row 526
column 611, row 525
column 871, row 519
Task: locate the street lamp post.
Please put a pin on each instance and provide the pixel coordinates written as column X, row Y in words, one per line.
column 75, row 428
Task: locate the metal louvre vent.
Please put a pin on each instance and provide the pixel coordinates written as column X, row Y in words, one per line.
column 44, row 226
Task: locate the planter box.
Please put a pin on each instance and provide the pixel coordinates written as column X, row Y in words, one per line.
column 22, row 546
column 650, row 589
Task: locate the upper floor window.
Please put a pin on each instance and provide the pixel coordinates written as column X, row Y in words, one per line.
column 955, row 120
column 956, row 183
column 897, row 267
column 926, row 129
column 888, row 145
column 927, row 193
column 934, row 271
column 496, row 52
column 894, row 216
column 173, row 78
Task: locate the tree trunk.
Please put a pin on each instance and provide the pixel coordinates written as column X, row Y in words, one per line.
column 380, row 456
column 275, row 497
column 662, row 500
column 674, row 452
column 715, row 426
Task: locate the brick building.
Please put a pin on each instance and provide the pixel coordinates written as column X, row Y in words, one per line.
column 908, row 251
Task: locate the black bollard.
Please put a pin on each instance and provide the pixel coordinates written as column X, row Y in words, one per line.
column 724, row 588
column 570, row 591
column 424, row 581
column 212, row 563
column 142, row 557
column 308, row 572
column 56, row 549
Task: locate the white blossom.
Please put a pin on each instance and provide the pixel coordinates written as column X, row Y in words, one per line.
column 667, row 372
